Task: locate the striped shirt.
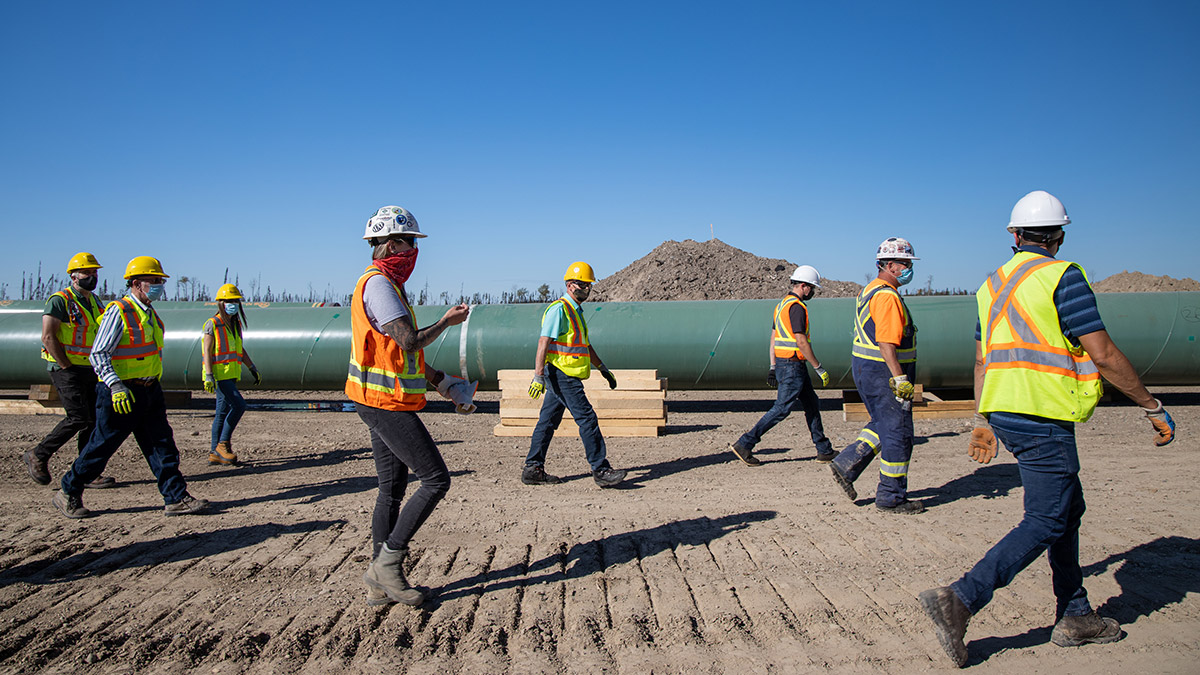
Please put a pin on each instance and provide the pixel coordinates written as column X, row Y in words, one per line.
column 1073, row 299
column 108, row 336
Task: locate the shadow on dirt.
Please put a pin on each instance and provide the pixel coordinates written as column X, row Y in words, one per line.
column 989, row 481
column 742, row 405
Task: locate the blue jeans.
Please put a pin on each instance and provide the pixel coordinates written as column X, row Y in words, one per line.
column 564, row 392
column 889, row 433
column 1049, row 464
column 148, row 424
column 230, row 406
column 400, row 443
column 795, row 386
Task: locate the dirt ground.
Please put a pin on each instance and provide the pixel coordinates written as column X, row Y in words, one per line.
column 697, row 564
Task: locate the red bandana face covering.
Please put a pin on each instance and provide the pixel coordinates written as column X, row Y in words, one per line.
column 398, row 267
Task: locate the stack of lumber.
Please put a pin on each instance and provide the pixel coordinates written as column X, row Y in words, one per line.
column 637, row 407
column 926, row 405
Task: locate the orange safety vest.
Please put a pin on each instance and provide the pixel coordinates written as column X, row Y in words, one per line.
column 382, row 375
column 783, row 333
column 227, row 350
column 79, row 331
column 139, row 352
column 570, row 352
column 865, row 346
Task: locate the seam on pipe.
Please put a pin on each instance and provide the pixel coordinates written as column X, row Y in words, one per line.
column 713, row 352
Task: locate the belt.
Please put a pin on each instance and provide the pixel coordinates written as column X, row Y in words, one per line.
column 142, row 381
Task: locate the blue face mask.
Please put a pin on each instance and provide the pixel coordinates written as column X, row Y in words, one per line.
column 905, row 276
column 156, row 291
column 231, row 308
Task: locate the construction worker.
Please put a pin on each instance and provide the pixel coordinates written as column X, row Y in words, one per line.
column 223, row 356
column 68, row 328
column 387, row 382
column 884, row 363
column 127, row 358
column 563, row 361
column 1040, row 351
column 790, row 350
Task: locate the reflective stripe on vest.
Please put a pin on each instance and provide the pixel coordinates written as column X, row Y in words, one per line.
column 79, row 331
column 381, row 374
column 570, row 353
column 783, row 335
column 139, row 352
column 227, row 350
column 1030, row 366
column 864, row 346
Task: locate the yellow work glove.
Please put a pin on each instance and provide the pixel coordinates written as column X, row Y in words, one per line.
column 612, row 381
column 537, row 387
column 982, row 447
column 1164, row 426
column 255, row 375
column 210, row 385
column 122, row 399
column 902, row 388
column 823, row 374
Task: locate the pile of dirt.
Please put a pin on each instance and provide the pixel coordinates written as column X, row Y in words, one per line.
column 709, row 270
column 1136, row 282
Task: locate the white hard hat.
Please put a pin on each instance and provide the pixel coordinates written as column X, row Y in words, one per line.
column 895, row 248
column 390, row 220
column 1038, row 209
column 807, row 274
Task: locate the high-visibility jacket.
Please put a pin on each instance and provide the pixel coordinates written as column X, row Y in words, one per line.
column 570, row 352
column 382, row 375
column 783, row 334
column 79, row 331
column 865, row 346
column 227, row 349
column 1031, row 367
column 139, row 352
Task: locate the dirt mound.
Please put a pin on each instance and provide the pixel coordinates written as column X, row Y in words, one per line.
column 709, row 270
column 1136, row 282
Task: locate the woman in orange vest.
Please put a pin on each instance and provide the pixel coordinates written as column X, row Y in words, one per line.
column 223, row 356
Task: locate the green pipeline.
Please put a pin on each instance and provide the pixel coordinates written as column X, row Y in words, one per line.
column 696, row 345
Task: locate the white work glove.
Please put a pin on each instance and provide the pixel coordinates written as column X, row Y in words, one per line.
column 461, row 392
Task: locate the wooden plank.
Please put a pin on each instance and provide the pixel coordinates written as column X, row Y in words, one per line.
column 26, row 407
column 595, row 383
column 527, row 374
column 857, row 412
column 624, row 413
column 654, row 400
column 570, row 423
column 43, row 392
column 594, row 395
column 608, row 431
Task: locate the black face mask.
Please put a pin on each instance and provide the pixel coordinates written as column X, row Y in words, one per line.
column 88, row 283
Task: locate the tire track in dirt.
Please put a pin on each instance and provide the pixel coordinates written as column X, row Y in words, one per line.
column 585, row 643
column 540, row 620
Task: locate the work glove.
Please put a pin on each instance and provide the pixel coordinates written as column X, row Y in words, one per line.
column 1164, row 426
column 210, row 385
column 982, row 447
column 823, row 374
column 537, row 387
column 461, row 392
column 255, row 375
column 771, row 381
column 901, row 388
column 612, row 381
column 122, row 399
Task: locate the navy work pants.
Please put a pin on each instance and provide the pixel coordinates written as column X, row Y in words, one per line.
column 795, row 387
column 889, row 432
column 564, row 392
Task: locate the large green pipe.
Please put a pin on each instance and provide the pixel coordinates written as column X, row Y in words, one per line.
column 696, row 345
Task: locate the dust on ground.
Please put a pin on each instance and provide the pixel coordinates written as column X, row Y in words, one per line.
column 697, row 564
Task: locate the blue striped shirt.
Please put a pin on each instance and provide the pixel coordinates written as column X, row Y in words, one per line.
column 1073, row 299
column 108, row 336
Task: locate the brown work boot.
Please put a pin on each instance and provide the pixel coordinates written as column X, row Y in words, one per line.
column 843, row 483
column 1073, row 631
column 950, row 617
column 186, row 506
column 70, row 506
column 386, row 574
column 223, row 454
column 101, row 483
column 743, row 454
column 39, row 469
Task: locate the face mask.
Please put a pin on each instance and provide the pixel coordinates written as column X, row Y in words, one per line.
column 905, row 276
column 580, row 294
column 231, row 308
column 156, row 291
column 399, row 266
column 88, row 283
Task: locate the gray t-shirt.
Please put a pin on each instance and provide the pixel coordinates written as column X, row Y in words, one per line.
column 381, row 302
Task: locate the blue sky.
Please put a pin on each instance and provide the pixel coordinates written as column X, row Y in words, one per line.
column 260, row 136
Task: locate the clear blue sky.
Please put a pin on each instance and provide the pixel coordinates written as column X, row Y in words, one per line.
column 260, row 136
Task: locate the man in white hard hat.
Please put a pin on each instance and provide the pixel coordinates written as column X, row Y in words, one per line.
column 884, row 364
column 1040, row 351
column 790, row 350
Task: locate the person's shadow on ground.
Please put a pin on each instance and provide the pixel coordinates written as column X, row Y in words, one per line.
column 989, row 481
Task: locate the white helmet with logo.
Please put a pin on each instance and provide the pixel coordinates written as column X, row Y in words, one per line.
column 807, row 274
column 390, row 220
column 1038, row 209
column 895, row 248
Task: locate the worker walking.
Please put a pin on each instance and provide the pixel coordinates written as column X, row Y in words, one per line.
column 387, row 382
column 223, row 356
column 127, row 358
column 1040, row 351
column 564, row 359
column 68, row 329
column 790, row 350
column 884, row 363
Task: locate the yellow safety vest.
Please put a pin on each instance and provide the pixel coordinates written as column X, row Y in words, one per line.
column 382, row 375
column 783, row 333
column 79, row 331
column 227, row 349
column 139, row 352
column 864, row 346
column 569, row 353
column 1031, row 367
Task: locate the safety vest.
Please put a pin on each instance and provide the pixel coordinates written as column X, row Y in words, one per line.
column 139, row 352
column 1031, row 367
column 382, row 375
column 865, row 346
column 569, row 353
column 227, row 349
column 79, row 331
column 783, row 333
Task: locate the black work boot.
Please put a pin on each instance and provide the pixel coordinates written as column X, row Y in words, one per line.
column 608, row 477
column 907, row 507
column 536, row 475
column 843, row 483
column 1073, row 631
column 38, row 468
column 950, row 617
column 743, row 454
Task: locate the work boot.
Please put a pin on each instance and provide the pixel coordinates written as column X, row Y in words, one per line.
column 186, row 506
column 536, row 475
column 70, row 506
column 843, row 483
column 223, row 454
column 950, row 617
column 826, row 457
column 744, row 454
column 376, row 597
column 101, row 483
column 386, row 574
column 38, row 468
column 608, row 477
column 1073, row 631
column 907, row 507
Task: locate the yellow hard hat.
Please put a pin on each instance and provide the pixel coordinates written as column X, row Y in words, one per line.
column 580, row 271
column 229, row 292
column 144, row 265
column 83, row 261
